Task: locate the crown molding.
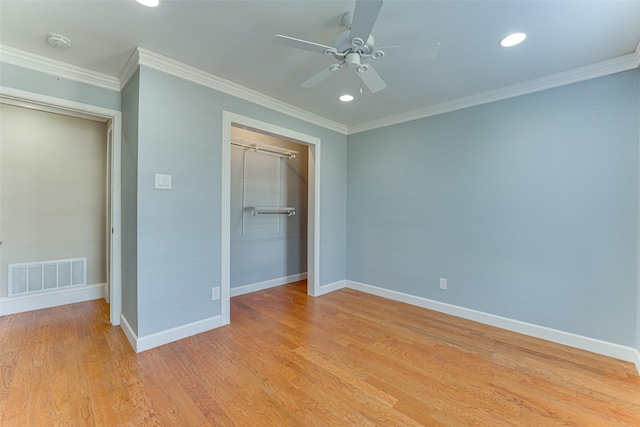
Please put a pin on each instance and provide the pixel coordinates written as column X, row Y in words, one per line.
column 195, row 75
column 57, row 68
column 147, row 58
column 129, row 69
column 636, row 54
column 617, row 65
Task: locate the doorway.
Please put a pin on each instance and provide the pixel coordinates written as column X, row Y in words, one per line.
column 312, row 144
column 110, row 243
column 268, row 211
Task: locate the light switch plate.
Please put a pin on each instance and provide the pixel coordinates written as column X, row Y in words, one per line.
column 163, row 181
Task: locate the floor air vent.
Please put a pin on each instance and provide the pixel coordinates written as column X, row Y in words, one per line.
column 47, row 275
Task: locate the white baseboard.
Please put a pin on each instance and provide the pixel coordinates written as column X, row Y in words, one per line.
column 259, row 286
column 325, row 289
column 567, row 338
column 636, row 360
column 170, row 335
column 19, row 304
column 128, row 332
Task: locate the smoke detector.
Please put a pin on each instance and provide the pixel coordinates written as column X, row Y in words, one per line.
column 58, row 40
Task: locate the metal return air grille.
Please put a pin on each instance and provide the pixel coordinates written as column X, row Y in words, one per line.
column 33, row 277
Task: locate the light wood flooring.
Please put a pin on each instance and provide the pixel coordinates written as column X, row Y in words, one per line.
column 344, row 359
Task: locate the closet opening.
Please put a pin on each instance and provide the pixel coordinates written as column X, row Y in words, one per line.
column 270, row 217
column 269, row 180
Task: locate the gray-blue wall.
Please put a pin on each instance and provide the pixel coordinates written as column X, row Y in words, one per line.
column 638, row 278
column 178, row 229
column 50, row 85
column 171, row 239
column 178, row 236
column 129, row 197
column 529, row 207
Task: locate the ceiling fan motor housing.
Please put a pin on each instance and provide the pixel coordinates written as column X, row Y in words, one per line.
column 342, row 43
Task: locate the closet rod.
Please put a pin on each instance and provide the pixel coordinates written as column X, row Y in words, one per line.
column 264, row 210
column 287, row 213
column 255, row 148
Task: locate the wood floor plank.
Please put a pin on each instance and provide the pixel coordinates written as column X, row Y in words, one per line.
column 8, row 363
column 59, row 385
column 10, row 333
column 100, row 409
column 82, row 412
column 39, row 403
column 16, row 409
column 167, row 393
column 346, row 358
column 196, row 383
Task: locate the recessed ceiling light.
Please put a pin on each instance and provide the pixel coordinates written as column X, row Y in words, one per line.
column 149, row 3
column 513, row 39
column 346, row 98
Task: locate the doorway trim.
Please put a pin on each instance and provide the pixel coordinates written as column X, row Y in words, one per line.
column 313, row 195
column 77, row 109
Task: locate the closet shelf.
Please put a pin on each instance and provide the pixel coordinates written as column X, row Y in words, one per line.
column 270, row 210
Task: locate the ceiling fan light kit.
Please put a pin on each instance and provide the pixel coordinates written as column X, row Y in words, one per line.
column 353, row 60
column 356, row 46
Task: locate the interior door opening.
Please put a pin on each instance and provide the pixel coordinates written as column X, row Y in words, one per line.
column 108, row 202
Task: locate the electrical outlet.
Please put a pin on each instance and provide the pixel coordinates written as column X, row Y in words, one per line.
column 215, row 294
column 443, row 284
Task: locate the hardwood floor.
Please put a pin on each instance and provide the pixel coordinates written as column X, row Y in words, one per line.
column 346, row 358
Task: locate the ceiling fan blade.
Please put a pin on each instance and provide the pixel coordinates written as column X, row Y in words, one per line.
column 364, row 17
column 320, row 77
column 299, row 44
column 420, row 51
column 372, row 80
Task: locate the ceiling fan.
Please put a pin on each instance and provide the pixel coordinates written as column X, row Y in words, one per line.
column 355, row 47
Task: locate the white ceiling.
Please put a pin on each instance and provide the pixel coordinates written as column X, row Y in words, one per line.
column 232, row 40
